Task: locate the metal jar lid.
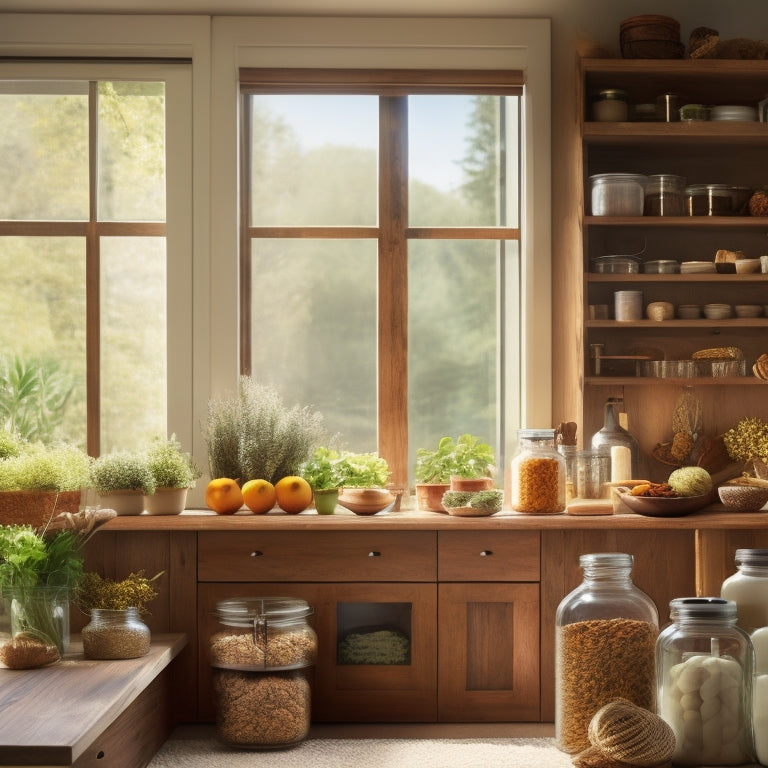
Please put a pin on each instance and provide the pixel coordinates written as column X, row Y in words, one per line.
column 616, row 94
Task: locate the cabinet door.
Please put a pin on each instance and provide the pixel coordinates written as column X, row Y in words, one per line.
column 488, row 646
column 377, row 659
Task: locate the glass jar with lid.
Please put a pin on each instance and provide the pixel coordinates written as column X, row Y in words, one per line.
column 610, row 105
column 115, row 633
column 704, row 669
column 259, row 656
column 748, row 588
column 538, row 474
column 605, row 644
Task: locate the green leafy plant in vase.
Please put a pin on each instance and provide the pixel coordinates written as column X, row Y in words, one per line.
column 323, row 472
column 364, row 477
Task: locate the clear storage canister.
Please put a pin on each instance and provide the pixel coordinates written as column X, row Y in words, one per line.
column 617, row 194
column 259, row 657
column 704, row 664
column 605, row 643
column 538, row 474
column 665, row 195
column 748, row 588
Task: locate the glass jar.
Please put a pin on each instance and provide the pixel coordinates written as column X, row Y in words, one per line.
column 748, row 588
column 115, row 634
column 611, row 105
column 538, row 474
column 259, row 657
column 704, row 668
column 612, row 435
column 605, row 641
column 665, row 195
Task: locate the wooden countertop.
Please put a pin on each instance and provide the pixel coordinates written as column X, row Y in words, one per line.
column 51, row 715
column 714, row 517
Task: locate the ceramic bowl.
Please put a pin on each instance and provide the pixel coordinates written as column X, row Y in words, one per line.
column 366, row 501
column 659, row 506
column 747, row 266
column 748, row 310
column 743, row 498
column 717, row 311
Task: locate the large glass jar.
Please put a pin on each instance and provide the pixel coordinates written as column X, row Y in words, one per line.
column 605, row 645
column 748, row 588
column 259, row 657
column 115, row 634
column 704, row 664
column 538, row 474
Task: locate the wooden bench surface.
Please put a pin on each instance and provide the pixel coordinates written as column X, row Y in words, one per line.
column 51, row 715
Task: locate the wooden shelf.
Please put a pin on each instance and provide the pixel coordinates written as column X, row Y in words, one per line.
column 698, row 381
column 681, row 222
column 694, row 277
column 708, row 132
column 699, row 324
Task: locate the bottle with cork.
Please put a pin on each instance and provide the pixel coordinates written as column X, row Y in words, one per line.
column 616, row 441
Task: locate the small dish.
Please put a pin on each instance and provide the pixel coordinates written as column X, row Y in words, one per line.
column 661, row 267
column 661, row 506
column 689, row 311
column 748, row 310
column 743, row 498
column 747, row 266
column 366, row 501
column 469, row 512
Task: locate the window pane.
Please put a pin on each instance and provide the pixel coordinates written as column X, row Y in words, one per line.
column 313, row 330
column 314, row 160
column 453, row 341
column 133, row 341
column 42, row 329
column 131, row 151
column 44, row 151
column 462, row 158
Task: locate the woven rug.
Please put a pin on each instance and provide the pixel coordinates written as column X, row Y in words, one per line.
column 372, row 753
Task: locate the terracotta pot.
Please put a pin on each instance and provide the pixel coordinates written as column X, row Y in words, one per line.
column 471, row 483
column 429, row 496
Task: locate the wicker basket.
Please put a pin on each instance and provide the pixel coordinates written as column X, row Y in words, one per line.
column 35, row 508
column 651, row 37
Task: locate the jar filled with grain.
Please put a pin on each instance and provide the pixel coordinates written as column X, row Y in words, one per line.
column 259, row 656
column 705, row 665
column 115, row 633
column 605, row 645
column 538, row 474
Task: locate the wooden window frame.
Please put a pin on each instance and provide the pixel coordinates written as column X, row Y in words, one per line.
column 392, row 233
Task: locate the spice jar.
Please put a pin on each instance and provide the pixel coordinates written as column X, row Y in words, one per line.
column 610, row 106
column 605, row 641
column 115, row 633
column 748, row 588
column 538, row 474
column 259, row 657
column 704, row 664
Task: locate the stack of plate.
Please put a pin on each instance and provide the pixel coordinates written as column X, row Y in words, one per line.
column 717, row 311
column 689, row 311
column 687, row 267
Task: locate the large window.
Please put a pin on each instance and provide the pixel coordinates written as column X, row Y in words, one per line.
column 83, row 253
column 380, row 264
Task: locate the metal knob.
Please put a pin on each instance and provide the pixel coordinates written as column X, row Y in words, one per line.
column 374, row 554
column 257, row 553
column 486, row 553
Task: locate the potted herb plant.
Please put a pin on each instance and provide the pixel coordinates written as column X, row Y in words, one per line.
column 364, row 477
column 322, row 471
column 37, row 481
column 122, row 479
column 449, row 466
column 174, row 473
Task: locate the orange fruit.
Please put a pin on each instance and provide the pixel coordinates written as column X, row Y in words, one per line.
column 259, row 496
column 223, row 496
column 294, row 494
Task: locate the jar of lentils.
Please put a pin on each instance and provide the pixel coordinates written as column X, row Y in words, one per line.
column 259, row 656
column 115, row 633
column 538, row 474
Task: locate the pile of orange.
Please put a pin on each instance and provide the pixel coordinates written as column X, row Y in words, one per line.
column 224, row 496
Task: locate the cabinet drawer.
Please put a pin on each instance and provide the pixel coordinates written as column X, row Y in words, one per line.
column 488, row 556
column 317, row 556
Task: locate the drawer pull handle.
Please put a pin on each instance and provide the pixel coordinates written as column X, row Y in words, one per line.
column 486, row 553
column 257, row 553
column 374, row 553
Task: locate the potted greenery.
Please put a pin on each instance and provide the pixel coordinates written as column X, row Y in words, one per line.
column 253, row 435
column 38, row 480
column 122, row 479
column 323, row 472
column 174, row 473
column 448, row 465
column 364, row 477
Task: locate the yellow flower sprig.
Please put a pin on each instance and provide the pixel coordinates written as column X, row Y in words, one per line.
column 136, row 591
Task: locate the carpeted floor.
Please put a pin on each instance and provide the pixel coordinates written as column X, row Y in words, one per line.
column 197, row 747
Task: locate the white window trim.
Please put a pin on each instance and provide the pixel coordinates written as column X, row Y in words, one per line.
column 360, row 43
column 187, row 221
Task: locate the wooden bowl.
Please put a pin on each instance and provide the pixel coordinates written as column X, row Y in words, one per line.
column 743, row 498
column 365, row 501
column 661, row 506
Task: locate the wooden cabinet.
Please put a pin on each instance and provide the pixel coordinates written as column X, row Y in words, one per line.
column 733, row 153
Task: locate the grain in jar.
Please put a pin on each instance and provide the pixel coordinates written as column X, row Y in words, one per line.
column 538, row 474
column 259, row 657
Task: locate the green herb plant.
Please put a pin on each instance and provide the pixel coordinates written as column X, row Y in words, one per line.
column 467, row 456
column 322, row 470
column 363, row 470
column 254, row 435
column 36, row 467
column 170, row 466
column 122, row 471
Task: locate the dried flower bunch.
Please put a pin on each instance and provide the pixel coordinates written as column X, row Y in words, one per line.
column 136, row 591
column 748, row 440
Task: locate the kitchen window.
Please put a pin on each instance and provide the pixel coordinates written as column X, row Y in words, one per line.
column 380, row 251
